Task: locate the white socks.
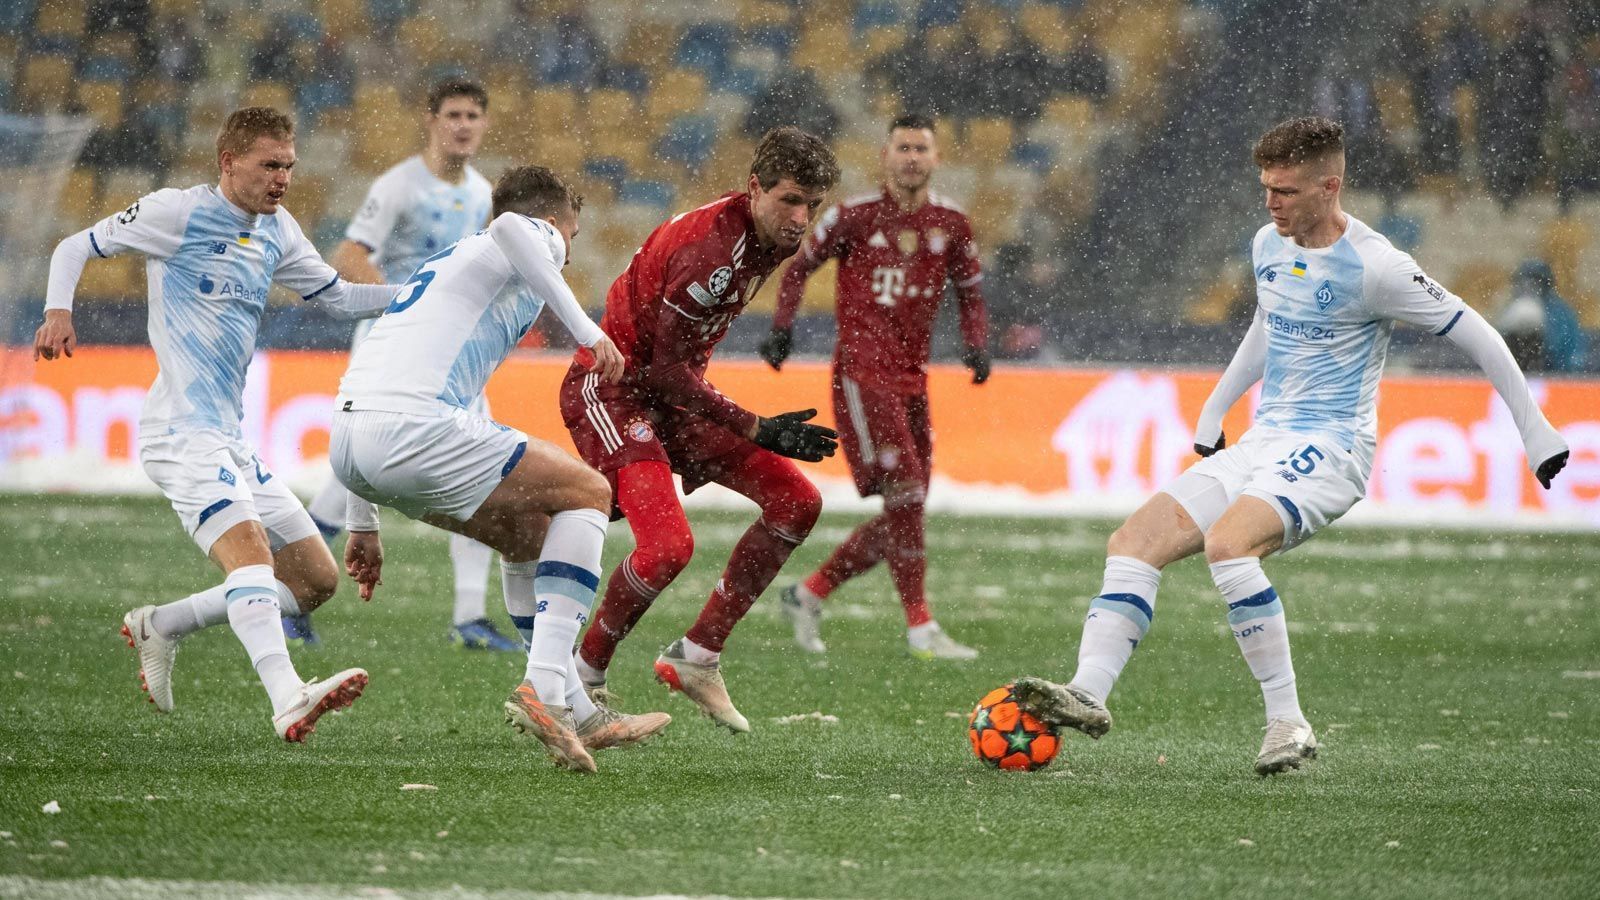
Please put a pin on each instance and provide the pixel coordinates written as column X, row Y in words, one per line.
column 1256, row 617
column 582, row 706
column 470, row 560
column 516, row 582
column 699, row 655
column 565, row 581
column 181, row 618
column 252, row 598
column 1116, row 623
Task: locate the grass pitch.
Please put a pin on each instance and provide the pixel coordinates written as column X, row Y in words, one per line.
column 1453, row 679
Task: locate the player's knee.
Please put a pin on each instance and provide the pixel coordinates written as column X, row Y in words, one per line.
column 317, row 586
column 1131, row 541
column 1223, row 545
column 659, row 557
column 594, row 492
column 796, row 509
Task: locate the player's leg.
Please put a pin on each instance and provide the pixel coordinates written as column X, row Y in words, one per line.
column 907, row 470
column 1168, row 527
column 866, row 546
column 470, row 626
column 327, row 513
column 790, row 505
column 663, row 546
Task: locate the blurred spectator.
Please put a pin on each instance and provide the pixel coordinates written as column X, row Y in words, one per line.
column 179, row 56
column 1516, row 109
column 926, row 72
column 1342, row 93
column 1442, row 55
column 1084, row 70
column 1579, row 166
column 797, row 98
column 1539, row 327
column 1006, row 73
column 559, row 48
column 327, row 80
column 273, row 56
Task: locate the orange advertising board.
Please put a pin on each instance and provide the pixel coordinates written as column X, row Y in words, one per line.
column 1095, row 438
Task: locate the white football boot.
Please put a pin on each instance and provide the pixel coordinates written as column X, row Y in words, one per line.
column 1288, row 743
column 1062, row 705
column 156, row 654
column 316, row 699
column 806, row 618
column 701, row 683
column 606, row 728
column 935, row 644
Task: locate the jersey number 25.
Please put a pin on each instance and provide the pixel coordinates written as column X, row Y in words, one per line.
column 419, row 282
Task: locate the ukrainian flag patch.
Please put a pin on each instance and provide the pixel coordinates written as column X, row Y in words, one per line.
column 1298, row 268
column 244, row 238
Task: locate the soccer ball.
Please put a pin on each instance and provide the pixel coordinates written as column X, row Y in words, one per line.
column 1005, row 737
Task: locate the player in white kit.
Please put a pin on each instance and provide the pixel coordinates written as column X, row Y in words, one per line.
column 406, row 434
column 411, row 212
column 1329, row 291
column 212, row 251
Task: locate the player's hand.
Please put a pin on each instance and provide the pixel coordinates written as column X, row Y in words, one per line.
column 976, row 359
column 363, row 561
column 608, row 360
column 1203, row 450
column 775, row 349
column 789, row 434
column 1548, row 469
column 56, row 336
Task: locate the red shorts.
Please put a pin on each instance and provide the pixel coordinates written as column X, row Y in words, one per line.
column 614, row 426
column 887, row 437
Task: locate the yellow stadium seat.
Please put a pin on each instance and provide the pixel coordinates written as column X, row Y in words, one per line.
column 609, row 110
column 46, row 83
column 102, row 101
column 1046, row 25
column 650, row 45
column 1482, row 284
column 423, row 40
column 76, row 205
column 176, row 8
column 988, row 140
column 1073, row 113
column 60, row 18
column 1394, row 103
column 762, row 14
column 344, row 18
column 554, row 108
column 880, row 40
column 117, row 278
column 275, row 94
column 561, row 152
column 824, row 42
column 678, row 91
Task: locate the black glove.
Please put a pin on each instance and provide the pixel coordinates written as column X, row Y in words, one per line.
column 788, row 434
column 1549, row 468
column 775, row 349
column 1203, row 450
column 976, row 359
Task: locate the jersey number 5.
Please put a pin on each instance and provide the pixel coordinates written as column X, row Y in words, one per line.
column 419, row 282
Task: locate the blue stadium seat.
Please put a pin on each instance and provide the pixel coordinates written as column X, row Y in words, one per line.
column 609, row 169
column 104, row 68
column 876, row 13
column 648, row 193
column 688, row 140
column 329, row 231
column 706, row 47
column 626, row 77
column 54, row 45
column 17, row 15
column 741, row 80
column 390, row 12
column 1035, row 155
column 939, row 12
column 302, row 25
column 315, row 97
column 778, row 38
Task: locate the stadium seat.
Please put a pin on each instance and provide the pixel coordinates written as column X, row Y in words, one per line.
column 872, row 14
column 824, row 40
column 423, row 40
column 551, row 107
column 608, row 169
column 779, row 38
column 689, row 140
column 649, row 45
column 116, row 279
column 988, row 140
column 46, row 83
column 1395, row 109
column 875, row 42
column 60, row 20
column 77, row 203
column 561, row 152
column 706, row 46
column 16, row 16
column 1045, row 24
column 102, row 101
column 175, row 8
column 609, row 111
column 658, row 194
column 677, row 92
column 345, row 19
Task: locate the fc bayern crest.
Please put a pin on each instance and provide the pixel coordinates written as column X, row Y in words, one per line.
column 719, row 281
column 937, row 240
column 641, row 431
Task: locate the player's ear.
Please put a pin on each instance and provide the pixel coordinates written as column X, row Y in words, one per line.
column 754, row 186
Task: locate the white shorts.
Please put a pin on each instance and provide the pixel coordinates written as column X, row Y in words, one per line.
column 215, row 481
column 1308, row 479
column 446, row 464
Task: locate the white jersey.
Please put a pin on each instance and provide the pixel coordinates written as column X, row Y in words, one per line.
column 209, row 265
column 410, row 214
column 459, row 317
column 1327, row 315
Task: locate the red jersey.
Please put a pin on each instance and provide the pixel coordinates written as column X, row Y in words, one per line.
column 893, row 265
column 673, row 304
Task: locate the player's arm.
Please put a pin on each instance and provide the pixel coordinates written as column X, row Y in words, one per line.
column 819, row 246
column 353, row 261
column 673, row 377
column 537, row 252
column 371, row 228
column 148, row 226
column 303, row 270
column 967, row 275
column 363, row 551
column 1248, row 365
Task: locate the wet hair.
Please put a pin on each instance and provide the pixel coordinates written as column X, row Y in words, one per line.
column 243, row 126
column 788, row 152
column 1302, row 140
column 456, row 87
column 534, row 191
column 912, row 120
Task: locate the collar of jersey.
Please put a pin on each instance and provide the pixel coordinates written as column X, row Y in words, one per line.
column 243, row 217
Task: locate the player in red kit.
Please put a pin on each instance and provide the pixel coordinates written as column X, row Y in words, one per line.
column 897, row 248
column 666, row 313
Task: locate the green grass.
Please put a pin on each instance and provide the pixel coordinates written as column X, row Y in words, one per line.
column 1445, row 674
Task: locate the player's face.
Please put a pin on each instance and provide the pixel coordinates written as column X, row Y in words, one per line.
column 568, row 226
column 910, row 158
column 457, row 128
column 257, row 179
column 784, row 213
column 1299, row 197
